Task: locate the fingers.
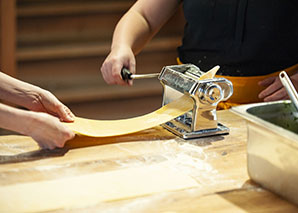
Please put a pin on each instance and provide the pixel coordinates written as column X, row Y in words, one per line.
column 46, row 145
column 111, row 73
column 271, row 89
column 274, row 91
column 115, row 75
column 132, row 68
column 54, row 107
column 52, row 144
column 112, row 66
column 281, row 94
column 65, row 136
column 48, row 131
column 266, row 82
column 55, row 141
column 130, row 82
column 64, row 113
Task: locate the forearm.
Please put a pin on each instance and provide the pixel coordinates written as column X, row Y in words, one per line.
column 132, row 31
column 14, row 119
column 45, row 129
column 16, row 91
column 142, row 22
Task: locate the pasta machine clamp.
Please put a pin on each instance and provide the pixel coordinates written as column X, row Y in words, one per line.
column 201, row 121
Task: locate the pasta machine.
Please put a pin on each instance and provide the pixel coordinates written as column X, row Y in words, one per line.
column 201, row 121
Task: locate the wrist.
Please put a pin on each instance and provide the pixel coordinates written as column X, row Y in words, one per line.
column 23, row 94
column 25, row 123
column 120, row 46
column 29, row 96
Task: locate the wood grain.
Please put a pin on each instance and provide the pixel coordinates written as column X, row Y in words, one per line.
column 218, row 164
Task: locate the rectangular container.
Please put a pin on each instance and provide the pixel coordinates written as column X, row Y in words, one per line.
column 272, row 146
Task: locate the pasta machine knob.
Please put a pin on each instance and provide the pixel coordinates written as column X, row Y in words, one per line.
column 213, row 93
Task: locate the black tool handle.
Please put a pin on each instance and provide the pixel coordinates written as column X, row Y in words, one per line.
column 126, row 74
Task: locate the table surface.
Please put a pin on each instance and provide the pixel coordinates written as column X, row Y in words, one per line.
column 217, row 163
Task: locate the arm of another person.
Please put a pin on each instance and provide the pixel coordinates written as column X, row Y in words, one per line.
column 133, row 31
column 274, row 89
column 32, row 97
column 44, row 128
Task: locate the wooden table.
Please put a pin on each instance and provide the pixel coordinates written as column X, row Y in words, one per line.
column 217, row 163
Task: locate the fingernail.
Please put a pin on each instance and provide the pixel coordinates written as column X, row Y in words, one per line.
column 261, row 96
column 70, row 118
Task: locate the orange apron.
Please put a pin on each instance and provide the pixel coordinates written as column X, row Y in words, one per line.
column 246, row 89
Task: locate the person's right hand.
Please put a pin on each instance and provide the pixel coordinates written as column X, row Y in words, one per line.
column 274, row 89
column 118, row 58
column 47, row 130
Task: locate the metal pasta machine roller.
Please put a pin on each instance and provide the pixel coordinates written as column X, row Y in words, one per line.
column 201, row 121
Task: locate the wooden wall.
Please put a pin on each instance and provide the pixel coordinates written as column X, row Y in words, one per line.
column 61, row 44
column 8, row 37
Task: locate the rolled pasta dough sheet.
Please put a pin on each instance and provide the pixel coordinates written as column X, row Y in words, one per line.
column 106, row 128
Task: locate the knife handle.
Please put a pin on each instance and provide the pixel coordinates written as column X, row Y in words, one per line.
column 126, row 74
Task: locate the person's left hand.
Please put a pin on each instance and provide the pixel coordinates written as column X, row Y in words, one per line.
column 44, row 101
column 275, row 90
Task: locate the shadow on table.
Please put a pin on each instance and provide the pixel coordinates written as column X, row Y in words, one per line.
column 253, row 198
column 32, row 155
column 153, row 134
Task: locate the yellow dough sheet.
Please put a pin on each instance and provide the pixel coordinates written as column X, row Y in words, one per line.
column 107, row 128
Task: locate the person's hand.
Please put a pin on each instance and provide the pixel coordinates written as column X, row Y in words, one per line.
column 42, row 100
column 274, row 89
column 118, row 58
column 47, row 130
column 44, row 128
